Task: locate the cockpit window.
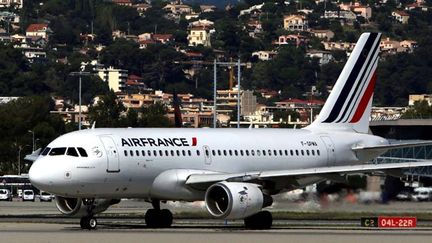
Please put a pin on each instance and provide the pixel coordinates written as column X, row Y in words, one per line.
column 57, row 151
column 72, row 152
column 82, row 152
column 46, row 151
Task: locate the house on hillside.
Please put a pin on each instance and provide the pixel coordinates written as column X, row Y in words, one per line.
column 401, row 16
column 295, row 22
column 38, row 30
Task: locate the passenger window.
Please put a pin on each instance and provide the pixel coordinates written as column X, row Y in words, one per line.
column 160, row 153
column 131, row 152
column 172, row 152
column 291, row 152
column 275, row 152
column 247, row 152
column 46, row 151
column 286, row 152
column 224, row 152
column 178, row 153
column 318, row 152
column 198, row 152
column 264, row 153
column 143, row 153
column 313, row 152
column 206, row 152
column 137, row 153
column 213, row 153
column 302, row 152
column 235, row 152
column 72, row 152
column 189, row 153
column 241, row 152
column 125, row 153
column 230, row 152
column 166, row 153
column 307, row 152
column 219, row 152
column 280, row 152
column 269, row 152
column 82, row 152
column 155, row 153
column 183, row 153
column 297, row 153
column 258, row 152
column 253, row 152
column 148, row 152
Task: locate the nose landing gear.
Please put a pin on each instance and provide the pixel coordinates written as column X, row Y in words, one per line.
column 89, row 222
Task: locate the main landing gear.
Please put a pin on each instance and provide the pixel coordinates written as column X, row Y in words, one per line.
column 88, row 222
column 157, row 218
column 261, row 220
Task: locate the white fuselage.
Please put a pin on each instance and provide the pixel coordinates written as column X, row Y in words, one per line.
column 124, row 162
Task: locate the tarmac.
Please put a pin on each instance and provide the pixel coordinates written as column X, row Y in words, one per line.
column 41, row 222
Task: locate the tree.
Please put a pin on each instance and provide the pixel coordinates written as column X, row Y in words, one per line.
column 18, row 118
column 420, row 109
column 107, row 111
column 154, row 116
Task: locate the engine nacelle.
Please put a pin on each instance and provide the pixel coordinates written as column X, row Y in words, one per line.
column 235, row 200
column 76, row 206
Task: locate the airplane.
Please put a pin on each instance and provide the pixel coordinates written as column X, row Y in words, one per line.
column 234, row 171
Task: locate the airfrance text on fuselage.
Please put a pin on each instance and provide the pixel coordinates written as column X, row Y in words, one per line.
column 157, row 142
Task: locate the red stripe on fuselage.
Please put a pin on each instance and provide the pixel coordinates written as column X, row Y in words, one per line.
column 365, row 100
column 194, row 141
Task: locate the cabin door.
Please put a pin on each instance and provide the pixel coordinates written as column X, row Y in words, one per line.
column 331, row 155
column 112, row 155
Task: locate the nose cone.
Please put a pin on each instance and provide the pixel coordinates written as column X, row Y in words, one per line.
column 38, row 176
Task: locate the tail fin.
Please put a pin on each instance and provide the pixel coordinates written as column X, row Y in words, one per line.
column 350, row 102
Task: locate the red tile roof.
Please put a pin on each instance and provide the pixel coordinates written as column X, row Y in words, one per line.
column 36, row 27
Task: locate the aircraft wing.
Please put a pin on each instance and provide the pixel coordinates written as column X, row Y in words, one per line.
column 392, row 146
column 319, row 171
column 33, row 156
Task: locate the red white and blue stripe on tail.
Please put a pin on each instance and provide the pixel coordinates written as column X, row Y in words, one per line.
column 350, row 101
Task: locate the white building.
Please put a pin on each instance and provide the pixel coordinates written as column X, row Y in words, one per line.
column 264, row 55
column 295, row 22
column 10, row 3
column 199, row 35
column 116, row 78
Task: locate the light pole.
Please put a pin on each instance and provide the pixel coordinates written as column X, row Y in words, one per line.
column 33, row 139
column 79, row 74
column 20, row 147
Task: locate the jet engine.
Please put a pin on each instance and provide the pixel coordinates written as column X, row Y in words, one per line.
column 81, row 207
column 235, row 200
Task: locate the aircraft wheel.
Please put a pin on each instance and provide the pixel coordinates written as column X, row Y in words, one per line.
column 261, row 220
column 158, row 218
column 88, row 222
